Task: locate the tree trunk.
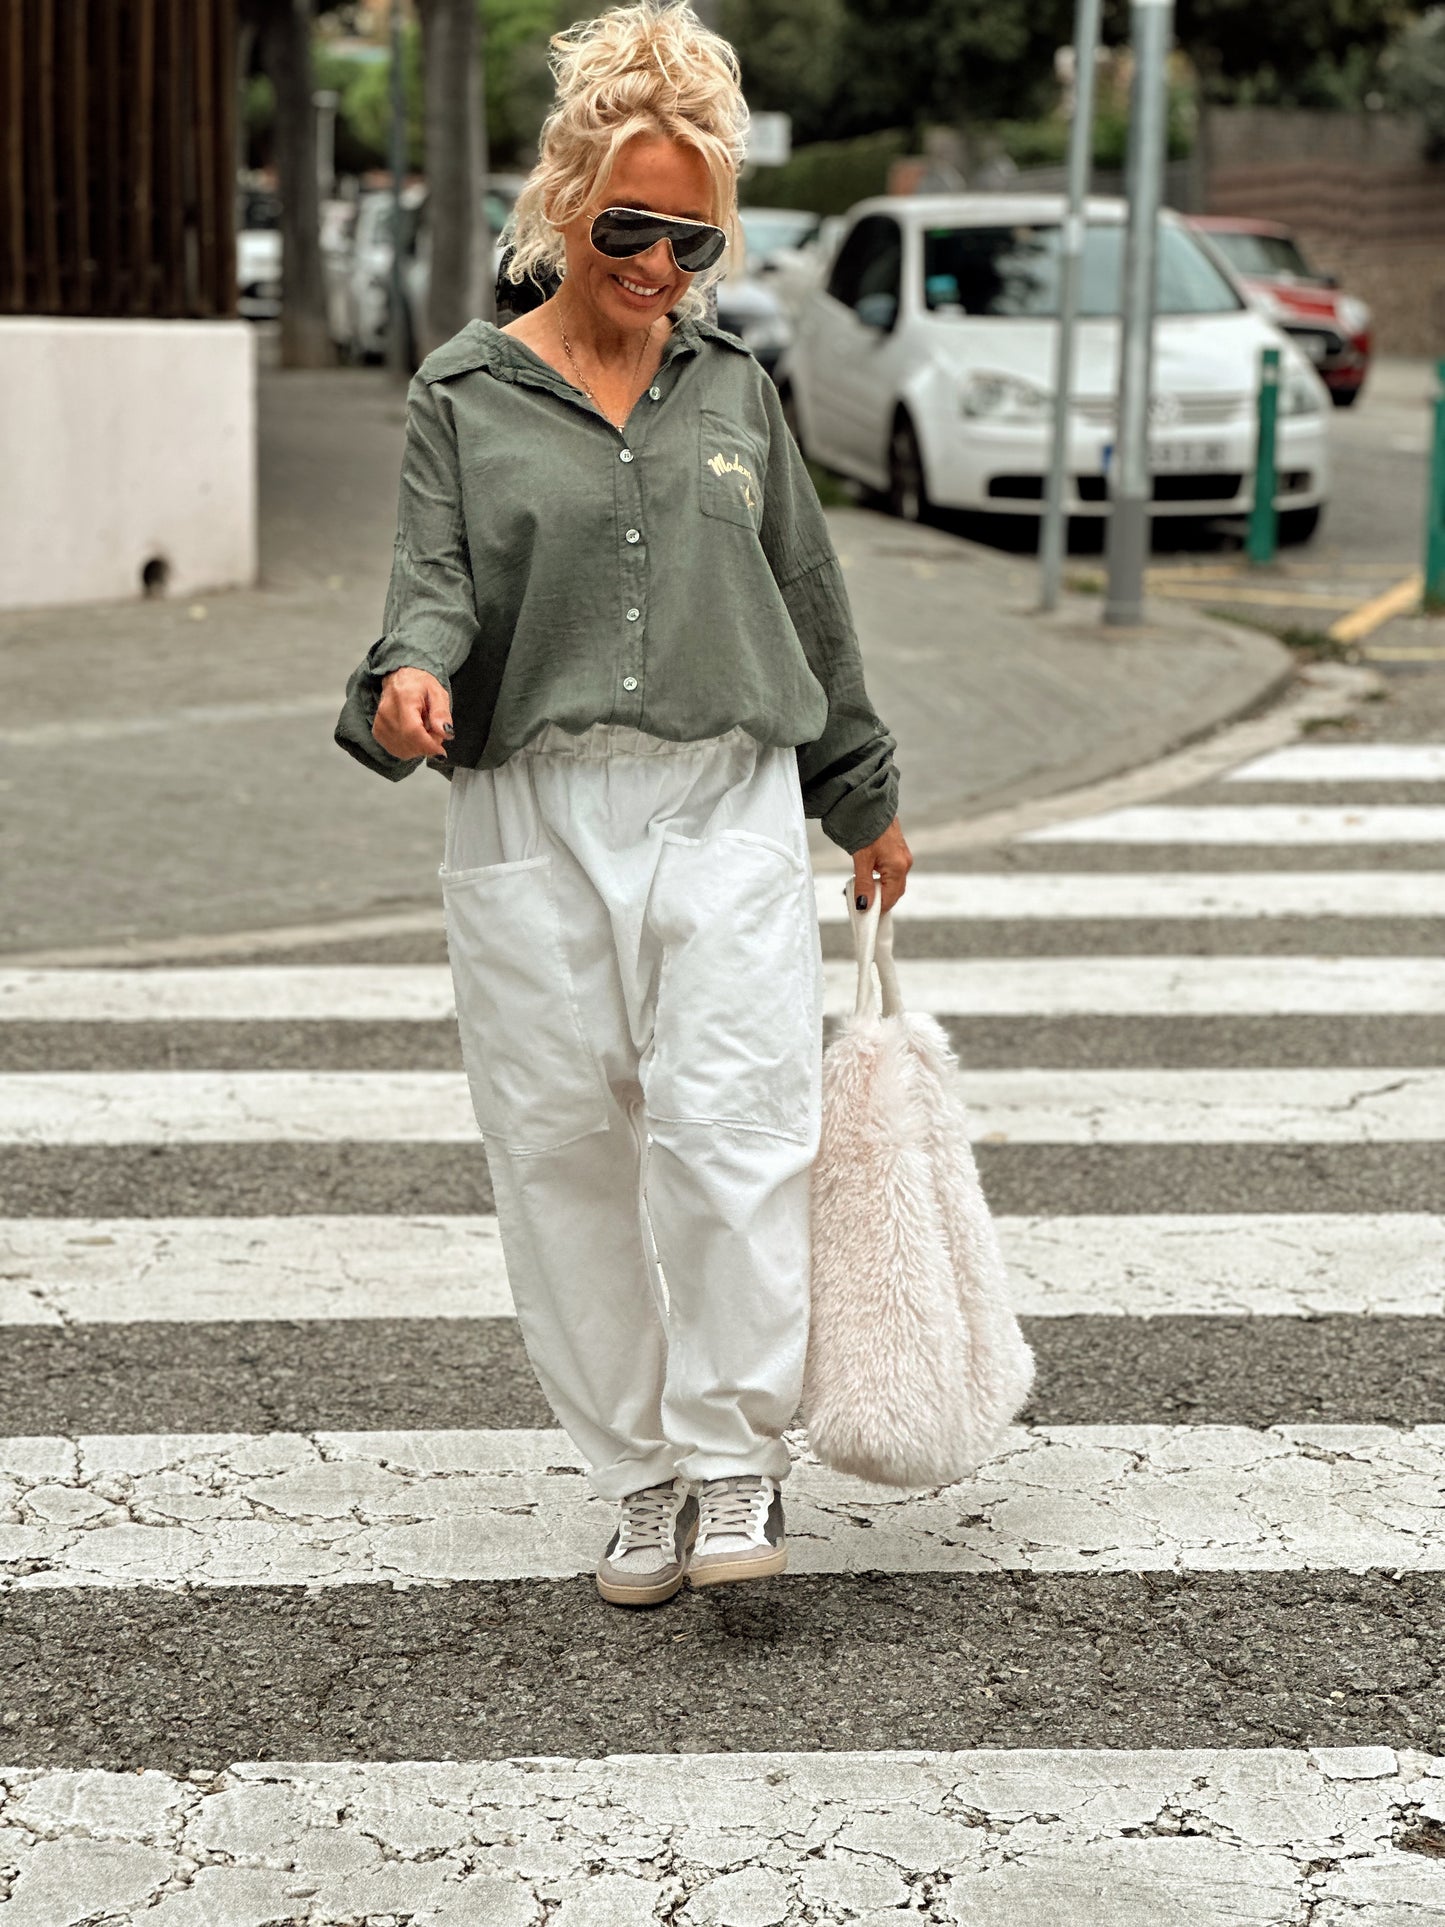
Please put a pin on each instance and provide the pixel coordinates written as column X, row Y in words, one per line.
column 285, row 43
column 459, row 285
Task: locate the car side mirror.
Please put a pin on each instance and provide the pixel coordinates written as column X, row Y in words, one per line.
column 878, row 311
column 1329, row 280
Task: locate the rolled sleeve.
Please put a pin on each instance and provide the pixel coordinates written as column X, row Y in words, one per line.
column 848, row 775
column 430, row 618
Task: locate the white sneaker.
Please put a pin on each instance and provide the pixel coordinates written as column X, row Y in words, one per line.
column 740, row 1531
column 646, row 1557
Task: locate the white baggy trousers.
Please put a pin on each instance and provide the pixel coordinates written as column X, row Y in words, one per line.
column 634, row 944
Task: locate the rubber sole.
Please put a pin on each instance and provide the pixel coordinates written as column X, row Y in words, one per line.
column 655, row 1594
column 732, row 1572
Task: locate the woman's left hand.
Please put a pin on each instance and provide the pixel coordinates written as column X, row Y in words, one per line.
column 890, row 859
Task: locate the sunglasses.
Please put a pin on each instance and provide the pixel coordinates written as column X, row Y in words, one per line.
column 620, row 232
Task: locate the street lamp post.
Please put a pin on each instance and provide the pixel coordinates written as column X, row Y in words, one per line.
column 1130, row 481
column 1081, row 128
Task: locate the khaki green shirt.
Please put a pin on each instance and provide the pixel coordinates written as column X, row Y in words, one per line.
column 676, row 575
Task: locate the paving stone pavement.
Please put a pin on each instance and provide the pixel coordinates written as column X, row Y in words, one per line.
column 301, row 1634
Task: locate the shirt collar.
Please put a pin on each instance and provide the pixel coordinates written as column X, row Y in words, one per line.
column 482, row 344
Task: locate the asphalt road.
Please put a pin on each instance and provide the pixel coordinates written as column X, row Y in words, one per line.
column 1229, row 1542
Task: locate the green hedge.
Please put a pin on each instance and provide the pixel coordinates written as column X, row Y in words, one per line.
column 828, row 176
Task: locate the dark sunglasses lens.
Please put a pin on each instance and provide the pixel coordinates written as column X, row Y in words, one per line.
column 699, row 250
column 620, row 233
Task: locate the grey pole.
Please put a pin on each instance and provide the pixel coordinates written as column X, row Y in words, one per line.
column 1081, row 128
column 1130, row 482
column 396, row 333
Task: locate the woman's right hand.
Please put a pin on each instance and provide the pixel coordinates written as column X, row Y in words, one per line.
column 414, row 715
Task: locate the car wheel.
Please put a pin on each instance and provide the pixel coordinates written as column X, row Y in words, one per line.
column 791, row 416
column 1298, row 525
column 1344, row 397
column 907, row 485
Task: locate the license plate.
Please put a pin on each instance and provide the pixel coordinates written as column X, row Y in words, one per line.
column 1178, row 458
column 1315, row 346
column 1186, row 458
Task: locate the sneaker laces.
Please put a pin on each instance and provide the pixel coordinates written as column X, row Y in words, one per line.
column 731, row 1505
column 647, row 1520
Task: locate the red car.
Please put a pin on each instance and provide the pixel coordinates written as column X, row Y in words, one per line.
column 1332, row 328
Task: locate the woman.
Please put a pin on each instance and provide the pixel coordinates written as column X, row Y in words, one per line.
column 617, row 623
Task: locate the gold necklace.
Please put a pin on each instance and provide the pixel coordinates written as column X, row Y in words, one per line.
column 582, row 379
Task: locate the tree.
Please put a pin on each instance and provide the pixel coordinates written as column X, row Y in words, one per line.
column 460, row 280
column 1236, row 44
column 282, row 34
column 908, row 63
column 791, row 55
column 1414, row 72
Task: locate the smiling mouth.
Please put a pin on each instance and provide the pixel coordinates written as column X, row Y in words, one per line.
column 637, row 287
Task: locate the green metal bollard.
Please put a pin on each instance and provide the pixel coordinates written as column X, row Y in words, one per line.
column 1263, row 522
column 1435, row 519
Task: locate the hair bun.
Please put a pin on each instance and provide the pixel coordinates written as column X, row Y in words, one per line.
column 651, row 59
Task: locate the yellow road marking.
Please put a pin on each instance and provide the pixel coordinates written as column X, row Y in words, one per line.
column 1402, row 600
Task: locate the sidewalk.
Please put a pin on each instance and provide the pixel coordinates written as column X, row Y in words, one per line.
column 169, row 769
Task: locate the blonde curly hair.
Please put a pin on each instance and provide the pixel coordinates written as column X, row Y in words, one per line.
column 650, row 69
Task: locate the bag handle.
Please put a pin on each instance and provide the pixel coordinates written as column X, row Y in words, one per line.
column 873, row 947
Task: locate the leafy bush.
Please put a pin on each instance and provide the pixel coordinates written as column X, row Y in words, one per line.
column 828, row 176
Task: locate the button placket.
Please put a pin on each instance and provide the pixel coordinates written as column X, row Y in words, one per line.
column 633, row 567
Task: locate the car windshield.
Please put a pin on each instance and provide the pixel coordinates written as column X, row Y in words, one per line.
column 1013, row 272
column 1261, row 253
column 768, row 228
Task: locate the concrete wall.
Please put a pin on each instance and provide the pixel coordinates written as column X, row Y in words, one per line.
column 123, row 444
column 1360, row 195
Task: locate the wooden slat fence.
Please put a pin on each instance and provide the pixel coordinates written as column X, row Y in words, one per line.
column 118, row 157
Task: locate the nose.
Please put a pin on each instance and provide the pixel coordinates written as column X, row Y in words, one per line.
column 655, row 264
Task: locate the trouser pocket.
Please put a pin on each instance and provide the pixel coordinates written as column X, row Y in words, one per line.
column 739, row 1001
column 535, row 1081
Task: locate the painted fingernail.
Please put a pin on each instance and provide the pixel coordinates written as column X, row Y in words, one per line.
column 447, row 730
column 862, row 903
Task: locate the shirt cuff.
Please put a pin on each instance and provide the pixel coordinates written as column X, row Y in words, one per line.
column 862, row 815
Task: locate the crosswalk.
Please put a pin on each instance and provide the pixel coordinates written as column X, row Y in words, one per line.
column 296, row 1622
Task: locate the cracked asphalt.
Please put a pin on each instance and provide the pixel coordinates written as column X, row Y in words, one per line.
column 297, row 1627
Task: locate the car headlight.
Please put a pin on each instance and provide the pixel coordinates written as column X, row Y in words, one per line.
column 1005, row 398
column 1354, row 315
column 1299, row 393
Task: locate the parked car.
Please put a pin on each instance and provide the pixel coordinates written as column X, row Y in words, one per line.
column 769, row 231
column 924, row 368
column 1333, row 328
column 502, row 192
column 258, row 254
column 360, row 314
column 748, row 308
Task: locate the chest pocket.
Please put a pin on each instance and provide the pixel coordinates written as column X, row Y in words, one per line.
column 730, row 472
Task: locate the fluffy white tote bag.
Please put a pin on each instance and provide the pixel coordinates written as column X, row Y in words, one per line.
column 915, row 1360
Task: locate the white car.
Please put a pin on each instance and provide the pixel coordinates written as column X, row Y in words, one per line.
column 924, row 366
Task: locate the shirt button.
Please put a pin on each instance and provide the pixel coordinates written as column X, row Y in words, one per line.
column 629, row 682
column 654, row 394
column 633, row 614
column 625, row 455
column 634, row 535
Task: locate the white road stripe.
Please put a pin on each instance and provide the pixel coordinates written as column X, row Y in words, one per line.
column 344, row 1508
column 1367, row 1105
column 1253, row 824
column 1088, row 894
column 1227, row 1837
column 1345, row 763
column 983, row 987
column 88, row 1271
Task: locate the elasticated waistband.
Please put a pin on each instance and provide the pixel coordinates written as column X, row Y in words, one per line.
column 621, row 739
